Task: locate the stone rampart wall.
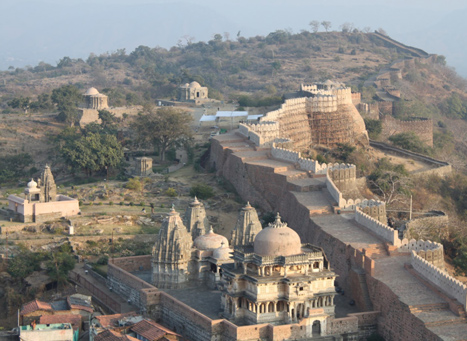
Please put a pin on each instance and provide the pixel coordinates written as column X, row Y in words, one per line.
column 430, row 251
column 135, row 263
column 440, row 168
column 423, row 128
column 382, row 230
column 334, row 191
column 356, row 98
column 449, row 285
column 343, row 172
column 294, row 157
column 126, row 284
column 261, row 134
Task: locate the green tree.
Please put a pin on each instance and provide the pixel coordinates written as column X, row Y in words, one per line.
column 67, row 98
column 410, row 141
column 108, row 120
column 60, row 263
column 20, row 103
column 164, row 129
column 24, row 263
column 202, row 191
column 326, row 25
column 374, row 128
column 93, row 152
column 14, row 167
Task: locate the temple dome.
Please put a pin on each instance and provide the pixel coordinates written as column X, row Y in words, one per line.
column 277, row 240
column 210, row 241
column 91, row 92
column 32, row 184
column 195, row 84
column 222, row 253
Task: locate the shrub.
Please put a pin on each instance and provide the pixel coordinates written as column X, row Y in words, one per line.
column 373, row 127
column 134, row 184
column 171, row 192
column 122, row 203
column 100, row 203
column 111, row 203
column 132, row 203
column 104, row 260
column 410, row 141
column 202, row 191
column 142, row 203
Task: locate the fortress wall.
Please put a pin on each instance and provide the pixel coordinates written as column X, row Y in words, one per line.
column 126, row 284
column 386, row 107
column 396, row 321
column 343, row 173
column 371, row 110
column 261, row 134
column 356, row 98
column 334, row 191
column 449, row 285
column 382, row 230
column 430, row 251
column 423, row 128
column 135, row 263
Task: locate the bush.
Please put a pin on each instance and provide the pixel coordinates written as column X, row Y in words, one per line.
column 122, row 203
column 132, row 203
column 171, row 192
column 202, row 191
column 373, row 127
column 104, row 260
column 111, row 203
column 100, row 203
column 134, row 184
column 410, row 141
column 142, row 203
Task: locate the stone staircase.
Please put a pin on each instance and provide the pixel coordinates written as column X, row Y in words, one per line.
column 364, row 288
column 376, row 251
column 421, row 308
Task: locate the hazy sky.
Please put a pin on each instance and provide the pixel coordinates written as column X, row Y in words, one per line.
column 36, row 30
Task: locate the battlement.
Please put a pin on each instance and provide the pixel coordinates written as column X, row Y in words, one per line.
column 449, row 285
column 430, row 251
column 377, row 227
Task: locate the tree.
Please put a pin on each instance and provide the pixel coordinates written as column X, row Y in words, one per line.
column 326, row 25
column 165, row 128
column 24, row 263
column 409, row 141
column 20, row 103
column 374, row 127
column 390, row 182
column 60, row 263
column 67, row 98
column 93, row 152
column 347, row 27
column 314, row 25
column 13, row 166
column 367, row 29
column 108, row 119
column 382, row 31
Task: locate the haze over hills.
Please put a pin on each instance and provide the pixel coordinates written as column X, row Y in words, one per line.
column 47, row 30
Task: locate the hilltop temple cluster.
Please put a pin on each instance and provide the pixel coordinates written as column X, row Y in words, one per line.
column 270, row 276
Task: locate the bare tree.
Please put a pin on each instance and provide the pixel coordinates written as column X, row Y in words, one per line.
column 382, row 31
column 314, row 25
column 326, row 24
column 347, row 27
column 226, row 36
column 367, row 29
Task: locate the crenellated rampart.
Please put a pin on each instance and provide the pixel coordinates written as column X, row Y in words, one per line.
column 441, row 279
column 422, row 127
column 430, row 251
column 384, row 231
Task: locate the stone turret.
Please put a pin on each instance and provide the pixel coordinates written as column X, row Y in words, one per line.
column 172, row 253
column 246, row 228
column 48, row 189
column 195, row 219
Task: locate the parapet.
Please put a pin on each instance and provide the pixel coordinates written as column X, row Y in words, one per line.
column 384, row 231
column 430, row 251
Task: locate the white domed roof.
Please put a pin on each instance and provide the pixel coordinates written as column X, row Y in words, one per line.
column 277, row 240
column 195, row 84
column 210, row 241
column 222, row 253
column 91, row 91
column 32, row 184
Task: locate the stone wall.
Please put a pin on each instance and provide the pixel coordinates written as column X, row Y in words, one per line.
column 387, row 233
column 92, row 115
column 449, row 285
column 422, row 127
column 437, row 167
column 356, row 98
column 133, row 264
column 126, row 284
column 261, row 134
column 430, row 251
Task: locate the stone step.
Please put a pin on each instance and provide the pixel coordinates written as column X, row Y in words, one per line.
column 429, row 307
column 453, row 321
